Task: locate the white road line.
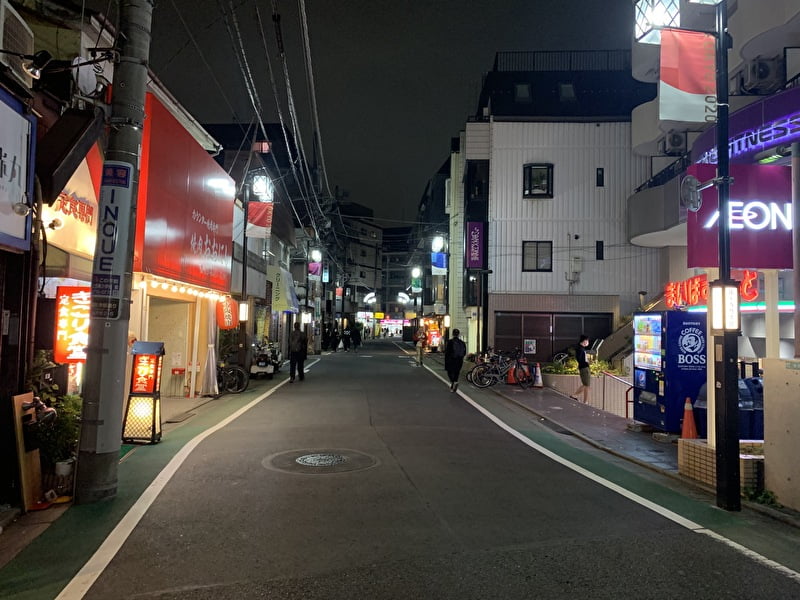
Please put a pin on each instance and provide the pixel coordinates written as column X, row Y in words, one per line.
column 657, row 508
column 94, row 567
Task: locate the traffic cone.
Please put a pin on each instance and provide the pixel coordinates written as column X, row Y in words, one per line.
column 688, row 430
column 537, row 377
column 510, row 379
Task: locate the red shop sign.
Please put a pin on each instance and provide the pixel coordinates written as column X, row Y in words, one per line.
column 72, row 324
column 145, row 373
column 227, row 313
column 694, row 291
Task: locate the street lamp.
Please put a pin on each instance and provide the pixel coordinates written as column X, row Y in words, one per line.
column 650, row 15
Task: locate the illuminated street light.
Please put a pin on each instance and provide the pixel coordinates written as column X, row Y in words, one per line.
column 651, row 15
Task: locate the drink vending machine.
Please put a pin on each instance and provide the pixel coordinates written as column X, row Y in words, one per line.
column 669, row 359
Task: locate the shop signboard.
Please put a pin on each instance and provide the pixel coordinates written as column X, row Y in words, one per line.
column 72, row 324
column 474, row 245
column 71, row 221
column 284, row 297
column 184, row 225
column 17, row 137
column 759, row 216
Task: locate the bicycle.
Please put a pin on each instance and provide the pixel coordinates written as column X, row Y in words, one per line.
column 490, row 373
column 232, row 378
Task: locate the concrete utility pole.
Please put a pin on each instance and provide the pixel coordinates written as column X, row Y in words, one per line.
column 105, row 385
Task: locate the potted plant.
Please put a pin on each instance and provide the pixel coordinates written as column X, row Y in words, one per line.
column 58, row 443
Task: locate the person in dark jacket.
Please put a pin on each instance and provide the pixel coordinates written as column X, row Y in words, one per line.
column 298, row 346
column 334, row 339
column 346, row 335
column 356, row 338
column 454, row 352
column 583, row 369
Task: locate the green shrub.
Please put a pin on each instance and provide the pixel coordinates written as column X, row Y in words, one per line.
column 570, row 367
column 59, row 442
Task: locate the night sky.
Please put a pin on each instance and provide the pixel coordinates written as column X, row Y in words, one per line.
column 394, row 80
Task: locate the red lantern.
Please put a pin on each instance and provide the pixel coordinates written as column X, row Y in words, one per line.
column 227, row 313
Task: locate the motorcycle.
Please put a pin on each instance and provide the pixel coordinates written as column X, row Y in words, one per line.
column 267, row 360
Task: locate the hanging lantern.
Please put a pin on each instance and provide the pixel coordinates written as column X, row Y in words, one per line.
column 227, row 313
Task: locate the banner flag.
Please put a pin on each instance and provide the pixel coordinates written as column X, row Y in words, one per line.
column 259, row 219
column 687, row 87
column 438, row 263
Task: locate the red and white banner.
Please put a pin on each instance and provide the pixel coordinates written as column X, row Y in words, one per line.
column 259, row 219
column 687, row 86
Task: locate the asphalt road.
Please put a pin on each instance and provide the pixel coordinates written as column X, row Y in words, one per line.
column 432, row 500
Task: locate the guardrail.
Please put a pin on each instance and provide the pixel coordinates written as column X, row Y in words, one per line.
column 614, row 397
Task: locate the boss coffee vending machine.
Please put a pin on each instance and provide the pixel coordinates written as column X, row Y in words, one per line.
column 669, row 359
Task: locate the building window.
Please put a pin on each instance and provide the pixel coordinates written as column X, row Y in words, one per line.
column 363, row 253
column 522, row 93
column 537, row 256
column 537, row 180
column 362, row 274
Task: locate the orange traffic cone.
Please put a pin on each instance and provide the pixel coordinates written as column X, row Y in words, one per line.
column 689, row 430
column 537, row 377
column 510, row 377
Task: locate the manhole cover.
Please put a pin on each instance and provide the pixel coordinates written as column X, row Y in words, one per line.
column 319, row 461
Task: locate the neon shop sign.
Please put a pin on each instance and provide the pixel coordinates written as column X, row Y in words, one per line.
column 694, row 291
column 755, row 216
column 780, row 131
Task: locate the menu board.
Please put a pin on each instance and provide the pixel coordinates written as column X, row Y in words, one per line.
column 647, row 342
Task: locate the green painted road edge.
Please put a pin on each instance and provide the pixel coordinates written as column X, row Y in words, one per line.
column 778, row 542
column 43, row 568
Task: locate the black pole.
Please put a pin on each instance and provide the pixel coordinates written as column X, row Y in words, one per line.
column 725, row 372
column 242, row 355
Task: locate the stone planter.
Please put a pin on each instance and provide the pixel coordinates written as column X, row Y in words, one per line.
column 566, row 384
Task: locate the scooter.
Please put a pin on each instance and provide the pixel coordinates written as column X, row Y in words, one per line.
column 267, row 360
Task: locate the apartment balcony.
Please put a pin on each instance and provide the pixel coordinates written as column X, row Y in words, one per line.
column 763, row 29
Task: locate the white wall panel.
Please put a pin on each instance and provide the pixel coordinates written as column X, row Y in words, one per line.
column 578, row 207
column 478, row 141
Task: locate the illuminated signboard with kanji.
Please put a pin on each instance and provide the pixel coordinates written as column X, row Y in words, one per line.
column 143, row 412
column 145, row 378
column 72, row 324
column 694, row 291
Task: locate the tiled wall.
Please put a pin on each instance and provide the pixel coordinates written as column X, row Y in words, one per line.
column 697, row 460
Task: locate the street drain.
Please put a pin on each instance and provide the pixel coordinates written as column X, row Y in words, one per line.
column 319, row 461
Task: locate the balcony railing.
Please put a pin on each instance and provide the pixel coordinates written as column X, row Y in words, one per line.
column 559, row 60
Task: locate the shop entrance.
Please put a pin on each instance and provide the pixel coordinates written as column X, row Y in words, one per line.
column 168, row 322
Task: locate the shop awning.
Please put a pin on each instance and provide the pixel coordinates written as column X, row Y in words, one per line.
column 284, row 297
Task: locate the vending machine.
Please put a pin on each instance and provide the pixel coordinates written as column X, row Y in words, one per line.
column 669, row 359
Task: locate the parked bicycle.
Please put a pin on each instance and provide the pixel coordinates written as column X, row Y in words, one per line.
column 496, row 370
column 232, row 378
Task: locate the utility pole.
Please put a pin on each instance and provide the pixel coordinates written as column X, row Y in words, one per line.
column 104, row 390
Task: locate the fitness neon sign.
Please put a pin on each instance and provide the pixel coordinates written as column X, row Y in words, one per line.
column 780, row 131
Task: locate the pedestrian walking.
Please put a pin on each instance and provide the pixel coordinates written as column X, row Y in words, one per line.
column 420, row 340
column 298, row 346
column 334, row 339
column 583, row 369
column 356, row 338
column 454, row 352
column 346, row 338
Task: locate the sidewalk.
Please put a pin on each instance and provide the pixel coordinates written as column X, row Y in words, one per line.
column 607, row 432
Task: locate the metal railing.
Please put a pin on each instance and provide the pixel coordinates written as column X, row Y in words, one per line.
column 564, row 60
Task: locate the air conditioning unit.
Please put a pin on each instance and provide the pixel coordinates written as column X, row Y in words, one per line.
column 675, row 143
column 16, row 36
column 762, row 76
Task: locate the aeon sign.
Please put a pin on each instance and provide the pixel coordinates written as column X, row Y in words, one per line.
column 759, row 215
column 755, row 215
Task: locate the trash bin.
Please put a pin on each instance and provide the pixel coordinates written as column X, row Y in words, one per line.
column 756, row 386
column 747, row 416
column 700, row 410
column 745, row 412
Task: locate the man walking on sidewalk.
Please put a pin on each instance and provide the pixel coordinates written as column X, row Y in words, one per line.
column 454, row 352
column 583, row 369
column 298, row 345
